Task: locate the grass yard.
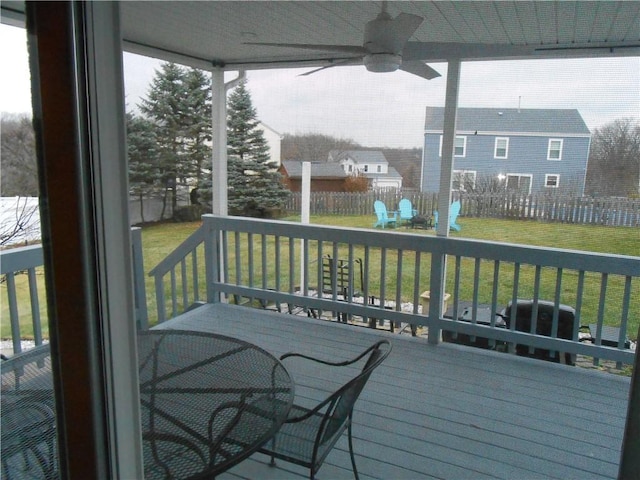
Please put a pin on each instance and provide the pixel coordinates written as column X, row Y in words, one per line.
column 161, row 239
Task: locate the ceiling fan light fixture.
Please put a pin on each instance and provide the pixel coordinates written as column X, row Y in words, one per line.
column 382, row 62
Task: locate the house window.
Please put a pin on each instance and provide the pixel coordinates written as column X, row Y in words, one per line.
column 365, row 168
column 459, row 146
column 350, row 168
column 520, row 183
column 463, row 180
column 555, row 149
column 501, row 149
column 551, row 181
column 379, row 168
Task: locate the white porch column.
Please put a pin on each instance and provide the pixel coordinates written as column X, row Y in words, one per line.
column 219, row 140
column 444, row 194
column 448, row 142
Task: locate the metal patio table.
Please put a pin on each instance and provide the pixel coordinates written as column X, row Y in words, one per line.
column 207, row 402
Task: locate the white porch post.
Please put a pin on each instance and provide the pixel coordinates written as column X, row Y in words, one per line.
column 444, row 194
column 219, row 140
column 306, row 207
column 448, row 142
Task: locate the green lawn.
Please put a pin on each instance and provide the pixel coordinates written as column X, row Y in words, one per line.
column 159, row 240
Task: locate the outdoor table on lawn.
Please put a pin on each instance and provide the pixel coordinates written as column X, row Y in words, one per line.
column 207, row 402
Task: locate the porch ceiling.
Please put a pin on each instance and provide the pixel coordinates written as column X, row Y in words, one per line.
column 215, row 32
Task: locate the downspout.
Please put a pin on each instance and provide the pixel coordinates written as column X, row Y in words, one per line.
column 219, row 181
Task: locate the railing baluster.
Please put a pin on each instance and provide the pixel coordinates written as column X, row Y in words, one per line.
column 624, row 316
column 185, row 285
column 174, row 299
column 251, row 282
column 476, row 289
column 263, row 269
column 494, row 298
column 14, row 317
column 278, row 256
column 383, row 281
column 194, row 275
column 365, row 286
column 601, row 306
column 292, row 264
column 416, row 281
column 35, row 306
column 398, row 298
column 250, row 269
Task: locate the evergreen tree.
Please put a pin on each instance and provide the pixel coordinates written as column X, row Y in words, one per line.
column 145, row 173
column 179, row 105
column 254, row 184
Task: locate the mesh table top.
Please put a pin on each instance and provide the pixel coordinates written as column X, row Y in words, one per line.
column 207, row 402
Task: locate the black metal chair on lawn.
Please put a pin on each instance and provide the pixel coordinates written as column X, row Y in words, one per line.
column 309, row 434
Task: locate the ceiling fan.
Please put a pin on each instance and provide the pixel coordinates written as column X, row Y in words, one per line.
column 383, row 48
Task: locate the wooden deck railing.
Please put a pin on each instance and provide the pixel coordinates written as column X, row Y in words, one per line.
column 280, row 263
column 26, row 261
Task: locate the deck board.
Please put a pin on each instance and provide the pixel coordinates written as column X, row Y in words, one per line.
column 441, row 411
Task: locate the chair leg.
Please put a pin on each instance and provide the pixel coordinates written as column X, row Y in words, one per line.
column 353, row 458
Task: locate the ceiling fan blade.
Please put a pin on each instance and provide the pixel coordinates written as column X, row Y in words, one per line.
column 406, row 25
column 420, row 69
column 389, row 35
column 339, row 63
column 355, row 49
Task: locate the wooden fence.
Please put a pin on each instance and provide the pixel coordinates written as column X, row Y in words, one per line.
column 551, row 208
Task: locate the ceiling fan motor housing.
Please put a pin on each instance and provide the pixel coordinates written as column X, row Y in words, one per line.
column 382, row 62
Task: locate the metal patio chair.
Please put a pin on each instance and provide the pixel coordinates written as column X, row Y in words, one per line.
column 309, row 434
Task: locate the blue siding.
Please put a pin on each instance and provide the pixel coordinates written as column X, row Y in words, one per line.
column 526, row 155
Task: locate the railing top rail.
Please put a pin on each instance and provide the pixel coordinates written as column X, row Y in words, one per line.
column 20, row 258
column 544, row 256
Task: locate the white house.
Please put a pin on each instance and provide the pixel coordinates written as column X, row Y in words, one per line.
column 274, row 140
column 370, row 163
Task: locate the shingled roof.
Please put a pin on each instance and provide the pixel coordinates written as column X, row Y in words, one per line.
column 358, row 156
column 510, row 120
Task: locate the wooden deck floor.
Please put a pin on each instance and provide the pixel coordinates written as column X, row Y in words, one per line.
column 444, row 411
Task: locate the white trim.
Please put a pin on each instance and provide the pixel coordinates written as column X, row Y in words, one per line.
column 549, row 149
column 546, row 179
column 512, row 134
column 111, row 188
column 506, row 148
column 530, row 175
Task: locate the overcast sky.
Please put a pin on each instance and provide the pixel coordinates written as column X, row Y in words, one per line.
column 381, row 110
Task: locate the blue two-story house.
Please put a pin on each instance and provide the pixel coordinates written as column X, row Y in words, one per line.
column 523, row 150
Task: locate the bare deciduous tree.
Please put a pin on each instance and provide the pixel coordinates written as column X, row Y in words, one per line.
column 19, row 167
column 614, row 159
column 313, row 147
column 19, row 222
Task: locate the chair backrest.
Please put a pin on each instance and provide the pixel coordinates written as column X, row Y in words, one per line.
column 454, row 211
column 380, row 209
column 406, row 209
column 342, row 401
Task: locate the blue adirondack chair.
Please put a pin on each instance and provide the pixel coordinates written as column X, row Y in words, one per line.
column 407, row 212
column 454, row 211
column 383, row 218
